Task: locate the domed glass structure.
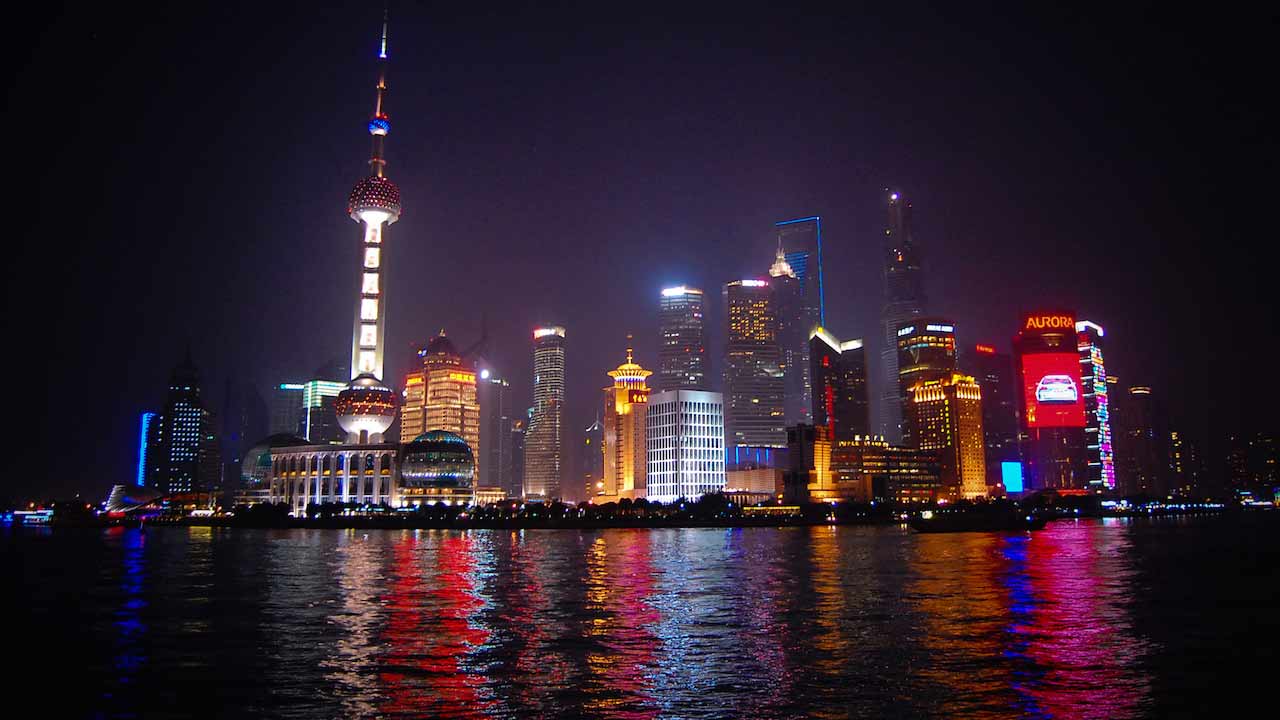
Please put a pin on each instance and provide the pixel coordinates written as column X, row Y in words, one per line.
column 437, row 459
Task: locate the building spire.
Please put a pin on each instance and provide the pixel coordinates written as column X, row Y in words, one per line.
column 380, row 124
column 780, row 265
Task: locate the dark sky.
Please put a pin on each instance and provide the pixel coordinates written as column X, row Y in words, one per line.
column 562, row 165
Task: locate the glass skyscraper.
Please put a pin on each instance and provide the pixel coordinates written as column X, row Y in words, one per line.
column 800, row 261
column 543, row 443
column 753, row 375
column 682, row 347
column 904, row 300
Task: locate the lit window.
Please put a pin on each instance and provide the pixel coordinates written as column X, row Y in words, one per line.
column 370, row 286
column 368, row 335
column 371, row 257
column 369, row 309
column 368, row 361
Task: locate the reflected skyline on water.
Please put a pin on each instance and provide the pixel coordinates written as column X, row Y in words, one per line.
column 757, row 622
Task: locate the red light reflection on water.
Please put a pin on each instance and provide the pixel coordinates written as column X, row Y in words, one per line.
column 1070, row 586
column 429, row 630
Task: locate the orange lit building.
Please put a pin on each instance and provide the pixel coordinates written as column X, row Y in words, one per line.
column 442, row 396
column 946, row 416
column 413, row 409
column 625, row 403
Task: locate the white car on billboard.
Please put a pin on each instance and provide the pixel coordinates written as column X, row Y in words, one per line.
column 1056, row 389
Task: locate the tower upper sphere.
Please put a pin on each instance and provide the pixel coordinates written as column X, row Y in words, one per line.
column 374, row 198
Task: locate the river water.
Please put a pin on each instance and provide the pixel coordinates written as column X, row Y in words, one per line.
column 1089, row 618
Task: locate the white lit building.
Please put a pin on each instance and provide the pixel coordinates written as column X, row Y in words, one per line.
column 684, row 431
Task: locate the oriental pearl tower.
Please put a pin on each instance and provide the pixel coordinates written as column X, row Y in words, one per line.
column 367, row 407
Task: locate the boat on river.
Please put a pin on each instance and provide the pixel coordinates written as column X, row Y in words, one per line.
column 977, row 518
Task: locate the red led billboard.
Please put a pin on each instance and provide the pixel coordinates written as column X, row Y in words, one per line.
column 1052, row 391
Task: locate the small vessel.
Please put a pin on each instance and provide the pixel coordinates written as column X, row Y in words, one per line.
column 976, row 519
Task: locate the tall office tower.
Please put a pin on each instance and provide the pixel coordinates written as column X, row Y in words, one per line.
column 1180, row 481
column 753, row 374
column 994, row 372
column 926, row 352
column 367, row 408
column 593, row 459
column 413, row 406
column 286, row 409
column 319, row 411
column 494, row 395
column 904, row 300
column 684, row 445
column 514, row 476
column 181, row 431
column 839, row 372
column 244, row 421
column 793, row 325
column 1097, row 407
column 946, row 416
column 682, row 347
column 542, row 453
column 1146, row 455
column 1052, row 402
column 625, row 403
column 148, row 424
column 209, row 476
column 442, row 396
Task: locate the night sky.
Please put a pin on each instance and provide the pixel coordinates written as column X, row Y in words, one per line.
column 563, row 165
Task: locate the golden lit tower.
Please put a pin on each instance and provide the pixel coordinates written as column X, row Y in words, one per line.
column 624, row 439
column 442, row 396
column 947, row 417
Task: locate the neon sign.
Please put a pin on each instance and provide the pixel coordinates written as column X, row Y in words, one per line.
column 1049, row 322
column 985, row 349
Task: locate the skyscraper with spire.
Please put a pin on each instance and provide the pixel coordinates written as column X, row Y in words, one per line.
column 799, row 263
column 904, row 300
column 367, row 407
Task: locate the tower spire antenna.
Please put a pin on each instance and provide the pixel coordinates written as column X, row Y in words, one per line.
column 380, row 123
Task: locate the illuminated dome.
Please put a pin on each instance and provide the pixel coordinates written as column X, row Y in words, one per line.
column 365, row 406
column 376, row 196
column 437, row 459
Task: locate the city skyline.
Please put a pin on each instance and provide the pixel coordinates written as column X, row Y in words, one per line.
column 704, row 246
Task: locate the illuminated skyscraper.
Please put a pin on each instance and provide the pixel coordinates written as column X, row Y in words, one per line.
column 946, row 416
column 684, row 441
column 926, row 351
column 514, row 486
column 182, row 431
column 286, row 409
column 542, row 455
column 1097, row 407
column 367, row 408
column 682, row 347
column 1051, row 402
column 319, row 411
column 494, row 395
column 839, row 372
column 148, row 449
column 753, row 375
column 904, row 300
column 625, row 402
column 442, row 396
column 994, row 373
column 793, row 321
